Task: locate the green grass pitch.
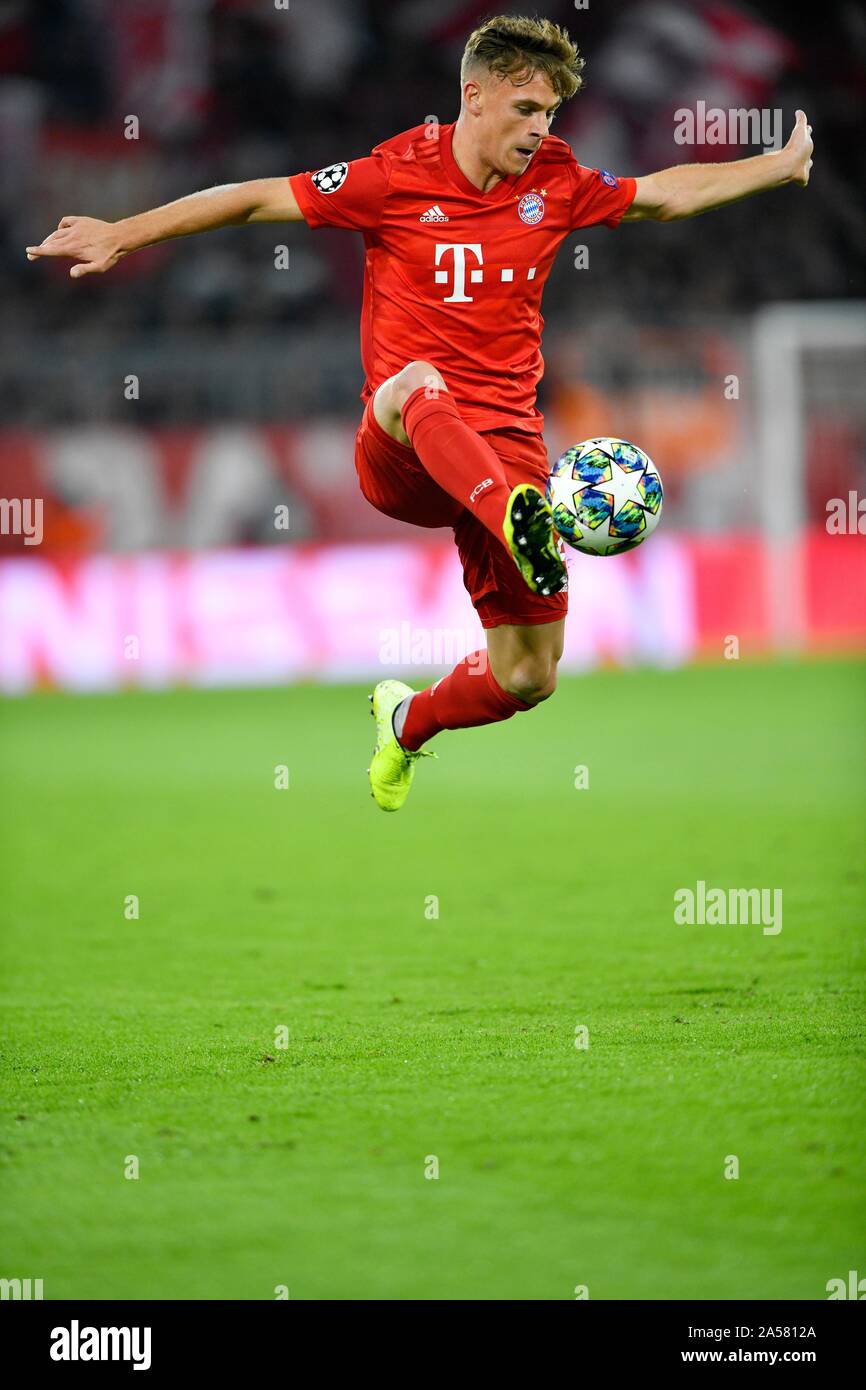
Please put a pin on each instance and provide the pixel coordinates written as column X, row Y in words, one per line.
column 411, row 1036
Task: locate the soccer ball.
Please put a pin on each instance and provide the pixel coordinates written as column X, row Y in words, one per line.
column 606, row 496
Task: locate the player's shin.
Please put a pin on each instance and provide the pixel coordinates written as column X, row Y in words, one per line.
column 469, row 696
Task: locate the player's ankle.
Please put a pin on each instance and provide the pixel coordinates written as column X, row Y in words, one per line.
column 398, row 719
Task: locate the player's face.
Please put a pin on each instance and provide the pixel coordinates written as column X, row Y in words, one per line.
column 515, row 120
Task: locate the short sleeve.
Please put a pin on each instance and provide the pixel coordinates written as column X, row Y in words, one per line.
column 349, row 195
column 600, row 197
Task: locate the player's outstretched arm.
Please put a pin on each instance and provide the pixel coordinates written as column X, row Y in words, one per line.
column 96, row 246
column 688, row 189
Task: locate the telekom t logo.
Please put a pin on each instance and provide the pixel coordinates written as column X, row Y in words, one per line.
column 459, row 248
column 476, row 274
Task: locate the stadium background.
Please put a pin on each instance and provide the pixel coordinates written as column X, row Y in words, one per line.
column 173, row 405
column 163, row 412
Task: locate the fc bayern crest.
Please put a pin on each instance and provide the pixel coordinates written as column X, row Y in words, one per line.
column 531, row 208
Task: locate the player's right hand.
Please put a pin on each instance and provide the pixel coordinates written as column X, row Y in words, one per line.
column 93, row 245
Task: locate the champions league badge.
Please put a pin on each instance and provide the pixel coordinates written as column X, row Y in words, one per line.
column 329, row 179
column 530, row 209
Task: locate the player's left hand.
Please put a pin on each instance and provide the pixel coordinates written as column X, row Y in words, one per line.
column 799, row 150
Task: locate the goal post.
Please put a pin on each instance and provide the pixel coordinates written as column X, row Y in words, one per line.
column 807, row 358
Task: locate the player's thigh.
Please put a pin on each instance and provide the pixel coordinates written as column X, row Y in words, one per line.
column 393, row 480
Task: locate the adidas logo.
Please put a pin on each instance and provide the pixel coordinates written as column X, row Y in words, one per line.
column 434, row 214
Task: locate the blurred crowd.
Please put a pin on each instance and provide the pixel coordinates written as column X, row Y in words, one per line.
column 111, row 106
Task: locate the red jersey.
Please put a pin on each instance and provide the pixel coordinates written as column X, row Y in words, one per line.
column 455, row 276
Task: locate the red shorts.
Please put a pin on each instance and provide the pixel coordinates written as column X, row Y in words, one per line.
column 394, row 481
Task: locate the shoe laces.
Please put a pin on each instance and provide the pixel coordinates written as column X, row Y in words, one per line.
column 412, row 754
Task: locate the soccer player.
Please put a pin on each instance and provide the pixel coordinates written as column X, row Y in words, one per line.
column 461, row 223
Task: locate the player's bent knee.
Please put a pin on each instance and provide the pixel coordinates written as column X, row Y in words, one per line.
column 413, row 377
column 532, row 682
column 392, row 395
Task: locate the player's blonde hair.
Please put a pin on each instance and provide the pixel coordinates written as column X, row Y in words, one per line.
column 518, row 47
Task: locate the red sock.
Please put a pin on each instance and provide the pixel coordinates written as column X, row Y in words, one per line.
column 456, row 457
column 468, row 697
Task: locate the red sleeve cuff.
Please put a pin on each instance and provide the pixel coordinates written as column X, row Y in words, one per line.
column 629, row 188
column 304, row 199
